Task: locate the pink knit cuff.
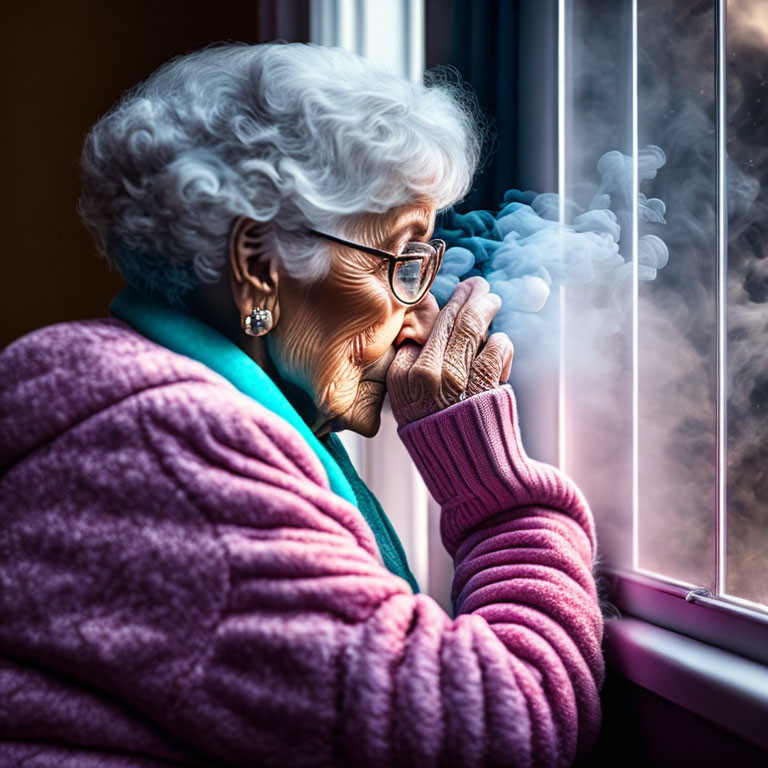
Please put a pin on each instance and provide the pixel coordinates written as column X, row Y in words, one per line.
column 473, row 463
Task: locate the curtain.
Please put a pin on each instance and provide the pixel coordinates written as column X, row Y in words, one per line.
column 507, row 51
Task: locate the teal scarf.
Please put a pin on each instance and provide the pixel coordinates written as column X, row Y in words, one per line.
column 186, row 335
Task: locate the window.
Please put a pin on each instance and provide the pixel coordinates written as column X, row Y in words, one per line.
column 665, row 375
column 634, row 287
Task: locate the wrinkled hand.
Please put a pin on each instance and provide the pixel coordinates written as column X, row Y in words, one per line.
column 448, row 368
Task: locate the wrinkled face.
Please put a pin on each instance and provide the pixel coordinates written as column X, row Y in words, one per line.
column 336, row 338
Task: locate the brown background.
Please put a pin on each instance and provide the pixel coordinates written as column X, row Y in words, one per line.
column 64, row 65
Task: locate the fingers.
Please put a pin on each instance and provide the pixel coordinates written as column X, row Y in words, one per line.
column 492, row 366
column 448, row 368
column 509, row 355
column 397, row 373
column 469, row 329
column 406, row 394
column 433, row 351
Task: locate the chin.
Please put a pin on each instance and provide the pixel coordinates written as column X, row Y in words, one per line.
column 364, row 417
column 368, row 427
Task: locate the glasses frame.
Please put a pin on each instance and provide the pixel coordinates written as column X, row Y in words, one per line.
column 437, row 245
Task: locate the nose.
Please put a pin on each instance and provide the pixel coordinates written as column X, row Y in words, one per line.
column 419, row 321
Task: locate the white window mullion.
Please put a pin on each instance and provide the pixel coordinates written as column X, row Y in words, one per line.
column 561, row 190
column 635, row 304
column 390, row 32
column 722, row 273
column 415, row 53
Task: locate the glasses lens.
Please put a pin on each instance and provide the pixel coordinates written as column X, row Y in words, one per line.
column 412, row 278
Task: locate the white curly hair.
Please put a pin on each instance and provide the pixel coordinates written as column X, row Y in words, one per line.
column 291, row 135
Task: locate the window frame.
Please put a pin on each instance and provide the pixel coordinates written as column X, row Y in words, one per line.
column 719, row 601
column 712, row 683
column 704, row 651
column 691, row 611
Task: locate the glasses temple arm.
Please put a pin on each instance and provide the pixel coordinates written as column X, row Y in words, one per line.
column 356, row 246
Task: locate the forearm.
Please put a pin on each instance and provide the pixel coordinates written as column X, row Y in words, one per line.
column 473, row 462
column 523, row 543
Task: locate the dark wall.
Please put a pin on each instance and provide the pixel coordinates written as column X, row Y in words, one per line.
column 64, row 65
column 643, row 730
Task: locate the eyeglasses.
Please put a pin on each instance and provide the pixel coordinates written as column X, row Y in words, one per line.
column 411, row 272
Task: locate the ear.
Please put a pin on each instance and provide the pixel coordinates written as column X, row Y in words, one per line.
column 253, row 271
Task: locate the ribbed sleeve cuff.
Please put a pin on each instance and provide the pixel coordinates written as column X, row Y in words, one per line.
column 472, row 460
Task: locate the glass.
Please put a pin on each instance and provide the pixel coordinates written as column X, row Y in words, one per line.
column 677, row 353
column 640, row 412
column 596, row 444
column 746, row 276
column 666, row 397
column 411, row 272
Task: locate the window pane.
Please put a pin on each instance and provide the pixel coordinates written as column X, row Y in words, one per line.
column 597, row 349
column 673, row 437
column 747, row 353
column 677, row 354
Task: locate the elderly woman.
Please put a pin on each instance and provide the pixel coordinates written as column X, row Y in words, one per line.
column 192, row 573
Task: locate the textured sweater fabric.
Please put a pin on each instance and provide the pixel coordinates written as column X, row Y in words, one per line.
column 181, row 332
column 179, row 585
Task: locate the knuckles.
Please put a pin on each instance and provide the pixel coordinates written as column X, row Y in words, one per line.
column 425, row 377
column 472, row 321
column 454, row 379
column 476, row 282
column 423, row 380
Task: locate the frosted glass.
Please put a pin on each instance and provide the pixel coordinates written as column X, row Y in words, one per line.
column 747, row 310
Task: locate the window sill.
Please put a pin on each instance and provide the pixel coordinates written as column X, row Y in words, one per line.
column 705, row 655
column 733, row 628
column 716, row 684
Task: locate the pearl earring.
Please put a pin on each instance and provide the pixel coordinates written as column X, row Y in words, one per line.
column 258, row 322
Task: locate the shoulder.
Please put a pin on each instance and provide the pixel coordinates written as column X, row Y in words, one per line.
column 103, row 359
column 56, row 379
column 114, row 412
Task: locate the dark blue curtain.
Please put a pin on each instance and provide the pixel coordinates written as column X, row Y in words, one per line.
column 507, row 51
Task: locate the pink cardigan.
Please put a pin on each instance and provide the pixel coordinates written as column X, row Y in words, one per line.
column 179, row 586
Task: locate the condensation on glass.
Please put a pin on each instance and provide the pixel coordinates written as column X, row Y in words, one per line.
column 746, row 286
column 664, row 386
column 677, row 360
column 596, row 345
